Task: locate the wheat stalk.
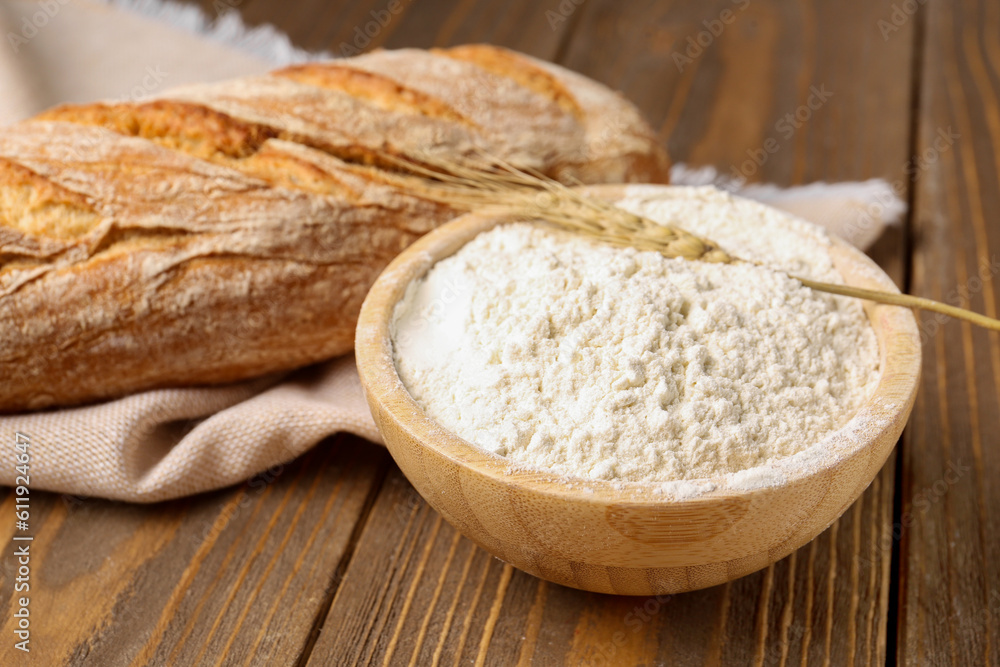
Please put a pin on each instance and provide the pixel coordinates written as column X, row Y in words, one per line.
column 532, row 195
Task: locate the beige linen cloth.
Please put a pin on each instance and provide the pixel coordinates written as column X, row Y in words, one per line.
column 168, row 443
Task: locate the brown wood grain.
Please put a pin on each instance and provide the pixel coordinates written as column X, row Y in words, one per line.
column 234, row 577
column 345, row 28
column 950, row 588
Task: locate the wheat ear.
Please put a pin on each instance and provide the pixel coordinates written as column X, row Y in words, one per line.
column 529, row 194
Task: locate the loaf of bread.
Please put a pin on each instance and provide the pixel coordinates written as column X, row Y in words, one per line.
column 229, row 230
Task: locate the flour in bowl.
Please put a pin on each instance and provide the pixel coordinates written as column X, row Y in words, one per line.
column 593, row 361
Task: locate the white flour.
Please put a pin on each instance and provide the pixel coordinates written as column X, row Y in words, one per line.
column 608, row 363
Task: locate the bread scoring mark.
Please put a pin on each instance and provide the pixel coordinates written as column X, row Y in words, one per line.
column 148, row 200
column 503, row 62
column 35, row 206
column 40, row 218
column 205, row 133
column 191, row 128
column 372, row 87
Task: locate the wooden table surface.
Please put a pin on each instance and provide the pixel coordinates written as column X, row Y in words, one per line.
column 333, row 559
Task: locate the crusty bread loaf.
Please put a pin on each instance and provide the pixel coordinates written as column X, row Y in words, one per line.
column 230, row 230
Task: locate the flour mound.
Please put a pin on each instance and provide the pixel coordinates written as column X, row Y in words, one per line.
column 607, row 363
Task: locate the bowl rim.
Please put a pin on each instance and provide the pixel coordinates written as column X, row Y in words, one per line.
column 890, row 403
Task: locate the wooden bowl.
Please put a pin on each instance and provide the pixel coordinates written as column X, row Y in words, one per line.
column 625, row 539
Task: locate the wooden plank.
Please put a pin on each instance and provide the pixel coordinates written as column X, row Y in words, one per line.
column 415, row 592
column 346, row 28
column 236, row 576
column 420, row 592
column 518, row 24
column 950, row 588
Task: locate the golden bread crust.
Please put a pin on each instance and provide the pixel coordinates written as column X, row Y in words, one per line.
column 229, row 230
